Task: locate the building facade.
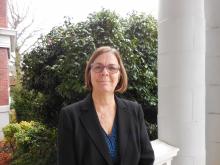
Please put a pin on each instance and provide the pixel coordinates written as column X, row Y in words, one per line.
column 7, row 44
column 188, row 77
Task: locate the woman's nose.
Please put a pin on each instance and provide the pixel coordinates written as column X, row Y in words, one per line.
column 105, row 71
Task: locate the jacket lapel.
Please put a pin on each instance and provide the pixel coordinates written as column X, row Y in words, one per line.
column 93, row 127
column 124, row 127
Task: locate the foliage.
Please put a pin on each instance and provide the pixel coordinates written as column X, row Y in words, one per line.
column 152, row 130
column 12, row 116
column 9, row 132
column 142, row 33
column 55, row 67
column 28, row 104
column 141, row 63
column 31, row 140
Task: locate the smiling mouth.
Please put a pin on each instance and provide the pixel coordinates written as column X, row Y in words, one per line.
column 103, row 82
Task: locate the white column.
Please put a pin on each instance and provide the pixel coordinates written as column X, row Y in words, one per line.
column 212, row 81
column 4, row 118
column 181, row 79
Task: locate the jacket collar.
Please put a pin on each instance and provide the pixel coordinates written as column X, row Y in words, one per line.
column 90, row 121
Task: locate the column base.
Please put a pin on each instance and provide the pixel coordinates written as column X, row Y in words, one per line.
column 4, row 118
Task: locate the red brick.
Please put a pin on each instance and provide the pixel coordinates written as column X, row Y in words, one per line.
column 3, row 14
column 3, row 58
column 4, row 94
column 4, row 83
column 4, row 76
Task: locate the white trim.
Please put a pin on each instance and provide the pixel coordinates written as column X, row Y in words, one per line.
column 4, row 118
column 8, row 39
column 4, row 108
column 1, row 135
column 164, row 153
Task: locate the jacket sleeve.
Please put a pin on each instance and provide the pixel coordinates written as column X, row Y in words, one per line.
column 147, row 153
column 66, row 153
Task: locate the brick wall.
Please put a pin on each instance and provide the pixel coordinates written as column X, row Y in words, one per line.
column 4, row 72
column 4, row 77
column 3, row 14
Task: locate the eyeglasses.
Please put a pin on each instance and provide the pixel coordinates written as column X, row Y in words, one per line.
column 111, row 68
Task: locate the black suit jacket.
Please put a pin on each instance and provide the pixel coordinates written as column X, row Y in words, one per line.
column 81, row 141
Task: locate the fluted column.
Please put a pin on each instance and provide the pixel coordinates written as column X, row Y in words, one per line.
column 181, row 78
column 212, row 81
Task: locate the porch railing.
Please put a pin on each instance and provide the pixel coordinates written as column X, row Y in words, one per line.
column 164, row 153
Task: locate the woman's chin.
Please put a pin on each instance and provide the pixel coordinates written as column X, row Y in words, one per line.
column 104, row 89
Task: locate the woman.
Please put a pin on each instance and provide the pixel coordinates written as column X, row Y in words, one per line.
column 103, row 129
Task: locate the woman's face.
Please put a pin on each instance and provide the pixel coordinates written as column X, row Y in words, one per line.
column 105, row 73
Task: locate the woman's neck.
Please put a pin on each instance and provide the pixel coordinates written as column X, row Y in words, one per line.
column 103, row 100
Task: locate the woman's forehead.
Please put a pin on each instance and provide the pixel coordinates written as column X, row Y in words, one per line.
column 106, row 58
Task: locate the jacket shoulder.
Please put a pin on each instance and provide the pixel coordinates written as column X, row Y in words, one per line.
column 129, row 102
column 73, row 107
column 130, row 106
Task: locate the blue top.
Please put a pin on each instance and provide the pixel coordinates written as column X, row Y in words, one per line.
column 112, row 142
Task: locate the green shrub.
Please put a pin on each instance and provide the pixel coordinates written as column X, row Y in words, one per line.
column 55, row 66
column 9, row 132
column 27, row 104
column 34, row 143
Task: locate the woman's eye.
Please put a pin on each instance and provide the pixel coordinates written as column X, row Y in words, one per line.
column 112, row 68
column 98, row 67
